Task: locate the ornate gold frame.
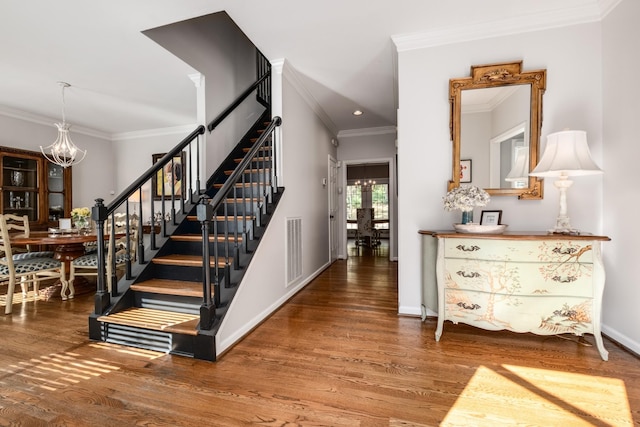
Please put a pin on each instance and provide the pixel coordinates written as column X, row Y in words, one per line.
column 495, row 75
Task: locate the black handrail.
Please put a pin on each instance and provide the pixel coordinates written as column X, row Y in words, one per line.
column 239, row 170
column 153, row 170
column 215, row 122
column 101, row 212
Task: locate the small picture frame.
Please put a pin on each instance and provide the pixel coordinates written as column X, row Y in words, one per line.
column 491, row 218
column 172, row 173
column 465, row 171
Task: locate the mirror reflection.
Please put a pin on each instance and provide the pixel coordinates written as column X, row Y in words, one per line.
column 494, row 132
column 496, row 116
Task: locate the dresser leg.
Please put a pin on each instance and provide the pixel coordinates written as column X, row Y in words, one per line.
column 439, row 327
column 603, row 352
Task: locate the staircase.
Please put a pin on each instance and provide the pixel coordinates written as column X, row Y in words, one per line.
column 168, row 302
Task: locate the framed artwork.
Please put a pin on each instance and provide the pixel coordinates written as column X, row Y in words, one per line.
column 491, row 218
column 465, row 170
column 172, row 175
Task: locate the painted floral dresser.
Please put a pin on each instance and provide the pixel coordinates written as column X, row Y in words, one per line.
column 541, row 283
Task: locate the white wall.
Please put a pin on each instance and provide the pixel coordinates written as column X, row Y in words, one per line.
column 369, row 147
column 92, row 178
column 306, row 145
column 133, row 153
column 621, row 62
column 214, row 45
column 573, row 100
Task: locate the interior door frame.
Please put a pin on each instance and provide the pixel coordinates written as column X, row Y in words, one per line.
column 343, row 200
column 334, row 208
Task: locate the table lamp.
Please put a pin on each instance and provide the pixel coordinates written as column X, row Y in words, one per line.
column 518, row 174
column 566, row 154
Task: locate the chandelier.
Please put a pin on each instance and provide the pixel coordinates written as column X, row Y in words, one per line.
column 364, row 184
column 63, row 151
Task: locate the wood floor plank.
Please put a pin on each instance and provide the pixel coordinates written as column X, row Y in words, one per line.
column 337, row 354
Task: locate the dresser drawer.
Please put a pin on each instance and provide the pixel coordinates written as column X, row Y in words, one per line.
column 540, row 315
column 520, row 278
column 559, row 251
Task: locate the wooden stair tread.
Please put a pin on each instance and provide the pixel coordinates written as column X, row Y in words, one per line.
column 241, row 200
column 188, row 260
column 169, row 287
column 157, row 320
column 247, row 149
column 198, row 238
column 222, row 217
column 257, row 159
column 229, row 172
column 239, row 184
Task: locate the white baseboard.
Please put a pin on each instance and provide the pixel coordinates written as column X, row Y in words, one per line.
column 232, row 339
column 621, row 339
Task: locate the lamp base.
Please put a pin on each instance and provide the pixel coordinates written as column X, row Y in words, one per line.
column 563, row 226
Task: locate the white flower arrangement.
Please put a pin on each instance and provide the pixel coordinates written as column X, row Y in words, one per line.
column 465, row 198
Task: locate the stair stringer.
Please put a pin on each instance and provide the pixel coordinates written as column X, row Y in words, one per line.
column 202, row 345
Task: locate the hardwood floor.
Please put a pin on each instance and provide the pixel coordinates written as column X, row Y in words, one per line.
column 337, row 354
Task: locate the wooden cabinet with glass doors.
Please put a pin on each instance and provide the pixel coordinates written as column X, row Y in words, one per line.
column 30, row 185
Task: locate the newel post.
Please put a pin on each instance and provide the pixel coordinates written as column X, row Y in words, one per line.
column 208, row 309
column 102, row 299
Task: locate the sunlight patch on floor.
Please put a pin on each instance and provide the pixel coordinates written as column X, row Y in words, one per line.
column 540, row 397
column 18, row 298
column 58, row 370
column 131, row 351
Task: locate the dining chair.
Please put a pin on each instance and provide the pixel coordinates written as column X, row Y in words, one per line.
column 30, row 267
column 121, row 248
column 20, row 224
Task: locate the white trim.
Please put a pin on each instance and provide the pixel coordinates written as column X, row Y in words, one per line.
column 184, row 129
column 607, row 6
column 392, row 199
column 46, row 121
column 382, row 130
column 621, row 339
column 292, row 77
column 410, row 310
column 222, row 346
column 502, row 27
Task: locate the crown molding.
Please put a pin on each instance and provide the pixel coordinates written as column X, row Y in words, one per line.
column 607, row 6
column 150, row 133
column 47, row 121
column 383, row 130
column 504, row 27
column 288, row 72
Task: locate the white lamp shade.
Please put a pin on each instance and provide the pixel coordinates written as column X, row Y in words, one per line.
column 520, row 169
column 566, row 154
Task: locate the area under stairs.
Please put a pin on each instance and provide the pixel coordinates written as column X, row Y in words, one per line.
column 161, row 309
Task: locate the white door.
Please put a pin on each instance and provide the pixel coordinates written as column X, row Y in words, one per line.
column 333, row 208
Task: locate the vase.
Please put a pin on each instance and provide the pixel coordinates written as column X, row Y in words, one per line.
column 467, row 217
column 82, row 223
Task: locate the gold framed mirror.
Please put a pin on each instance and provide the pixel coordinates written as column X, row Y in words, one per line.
column 496, row 117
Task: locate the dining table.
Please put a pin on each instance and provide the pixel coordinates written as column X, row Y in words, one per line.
column 66, row 247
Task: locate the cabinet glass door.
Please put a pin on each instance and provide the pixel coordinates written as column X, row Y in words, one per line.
column 20, row 186
column 55, row 180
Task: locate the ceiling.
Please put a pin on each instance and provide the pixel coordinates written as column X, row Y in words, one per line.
column 342, row 51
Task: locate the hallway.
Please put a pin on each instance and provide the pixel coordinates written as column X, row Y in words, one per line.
column 337, row 354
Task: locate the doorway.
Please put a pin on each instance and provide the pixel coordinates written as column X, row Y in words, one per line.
column 368, row 207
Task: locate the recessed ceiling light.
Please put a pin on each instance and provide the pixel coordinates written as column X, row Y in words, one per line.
column 357, row 113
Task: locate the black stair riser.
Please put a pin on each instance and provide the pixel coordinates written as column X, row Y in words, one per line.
column 173, row 303
column 175, row 272
column 203, row 345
